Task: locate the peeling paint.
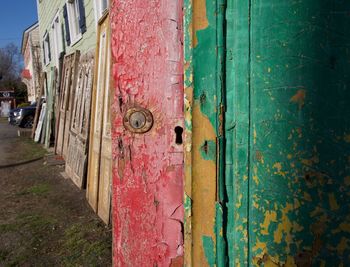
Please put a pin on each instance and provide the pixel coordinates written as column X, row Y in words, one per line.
column 200, row 20
column 209, row 250
column 270, row 216
column 148, row 199
column 299, row 98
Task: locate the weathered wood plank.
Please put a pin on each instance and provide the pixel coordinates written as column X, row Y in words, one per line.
column 76, row 159
column 100, row 175
column 65, row 102
column 50, row 106
column 38, row 101
column 39, row 128
column 105, row 179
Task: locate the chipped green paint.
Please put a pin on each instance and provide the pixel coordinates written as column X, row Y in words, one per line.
column 237, row 130
column 188, row 91
column 287, row 114
column 282, row 158
column 204, row 79
column 209, row 249
column 208, row 150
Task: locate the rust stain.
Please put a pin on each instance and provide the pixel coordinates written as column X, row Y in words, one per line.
column 259, row 156
column 200, row 20
column 299, row 98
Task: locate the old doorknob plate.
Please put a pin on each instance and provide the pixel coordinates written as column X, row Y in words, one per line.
column 138, row 120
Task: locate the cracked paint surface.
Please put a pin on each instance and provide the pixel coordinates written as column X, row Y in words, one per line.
column 287, row 116
column 148, row 211
column 202, row 112
column 286, row 167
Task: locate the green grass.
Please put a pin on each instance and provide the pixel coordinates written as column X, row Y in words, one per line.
column 3, row 255
column 77, row 249
column 30, row 149
column 37, row 190
column 28, row 223
column 33, row 230
column 26, row 149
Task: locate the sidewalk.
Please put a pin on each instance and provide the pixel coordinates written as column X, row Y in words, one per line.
column 44, row 218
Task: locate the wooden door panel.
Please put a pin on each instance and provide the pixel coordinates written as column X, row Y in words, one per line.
column 148, row 170
column 99, row 90
column 65, row 101
column 76, row 160
column 50, row 106
column 105, row 176
column 104, row 192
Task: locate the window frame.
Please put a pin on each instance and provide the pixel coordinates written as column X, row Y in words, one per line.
column 72, row 10
column 99, row 12
column 46, row 49
column 57, row 37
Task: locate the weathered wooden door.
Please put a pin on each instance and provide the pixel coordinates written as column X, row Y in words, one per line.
column 50, row 98
column 65, row 102
column 204, row 120
column 147, row 132
column 295, row 139
column 77, row 156
column 105, row 180
column 99, row 172
column 267, row 87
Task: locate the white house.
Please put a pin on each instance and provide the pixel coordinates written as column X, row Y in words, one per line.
column 32, row 62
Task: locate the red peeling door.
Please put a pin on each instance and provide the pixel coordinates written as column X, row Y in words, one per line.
column 147, row 134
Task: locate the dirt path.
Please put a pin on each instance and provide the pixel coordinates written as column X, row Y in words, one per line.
column 44, row 219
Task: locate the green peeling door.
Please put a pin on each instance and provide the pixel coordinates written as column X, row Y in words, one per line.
column 267, row 111
column 287, row 133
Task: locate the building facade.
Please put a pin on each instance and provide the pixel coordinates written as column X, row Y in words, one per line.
column 32, row 61
column 65, row 26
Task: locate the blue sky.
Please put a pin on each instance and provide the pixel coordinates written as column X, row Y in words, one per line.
column 16, row 16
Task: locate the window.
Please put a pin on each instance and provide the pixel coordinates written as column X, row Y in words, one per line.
column 46, row 49
column 57, row 38
column 100, row 7
column 74, row 16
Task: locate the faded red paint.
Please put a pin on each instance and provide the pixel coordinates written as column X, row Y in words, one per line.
column 148, row 170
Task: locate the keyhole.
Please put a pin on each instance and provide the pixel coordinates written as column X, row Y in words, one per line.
column 178, row 133
column 137, row 120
